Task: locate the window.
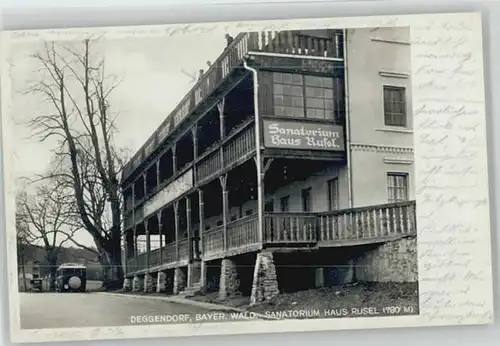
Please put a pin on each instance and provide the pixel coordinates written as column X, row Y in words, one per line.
column 284, row 204
column 394, row 106
column 397, row 187
column 300, row 96
column 269, row 206
column 333, row 194
column 306, row 200
column 319, row 97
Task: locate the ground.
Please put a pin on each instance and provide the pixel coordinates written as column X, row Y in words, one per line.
column 64, row 310
column 361, row 295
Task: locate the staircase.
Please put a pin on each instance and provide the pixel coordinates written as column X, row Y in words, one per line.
column 190, row 291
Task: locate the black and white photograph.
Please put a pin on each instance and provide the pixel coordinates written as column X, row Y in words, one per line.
column 230, row 176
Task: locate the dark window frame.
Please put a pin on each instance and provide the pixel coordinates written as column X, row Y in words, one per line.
column 300, row 88
column 392, row 115
column 306, row 206
column 285, row 204
column 392, row 185
column 333, row 204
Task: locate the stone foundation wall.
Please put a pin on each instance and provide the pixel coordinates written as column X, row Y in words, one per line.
column 179, row 280
column 229, row 281
column 265, row 281
column 395, row 261
column 127, row 284
column 137, row 284
column 195, row 272
column 161, row 282
column 148, row 283
column 203, row 276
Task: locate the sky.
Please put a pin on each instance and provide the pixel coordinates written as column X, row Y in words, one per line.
column 155, row 73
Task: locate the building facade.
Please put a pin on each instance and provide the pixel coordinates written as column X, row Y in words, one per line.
column 294, row 150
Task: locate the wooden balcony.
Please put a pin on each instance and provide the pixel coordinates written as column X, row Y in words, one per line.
column 235, row 149
column 296, row 43
column 248, row 43
column 166, row 256
column 183, row 250
column 242, row 236
column 169, row 254
column 368, row 224
column 349, row 227
column 343, row 227
column 290, row 228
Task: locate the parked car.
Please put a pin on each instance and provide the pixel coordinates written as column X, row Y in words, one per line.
column 71, row 277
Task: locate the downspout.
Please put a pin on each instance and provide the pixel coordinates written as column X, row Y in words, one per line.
column 260, row 176
column 347, row 122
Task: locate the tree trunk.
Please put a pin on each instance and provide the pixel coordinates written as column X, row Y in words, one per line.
column 52, row 262
column 111, row 261
column 23, row 271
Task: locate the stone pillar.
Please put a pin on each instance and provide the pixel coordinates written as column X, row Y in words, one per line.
column 161, row 282
column 148, row 283
column 137, row 284
column 179, row 280
column 319, row 277
column 265, row 281
column 229, row 282
column 127, row 284
column 350, row 273
column 203, row 276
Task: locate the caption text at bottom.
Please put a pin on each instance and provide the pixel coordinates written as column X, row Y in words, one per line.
column 284, row 314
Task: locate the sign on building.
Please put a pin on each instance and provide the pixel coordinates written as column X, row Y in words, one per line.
column 170, row 192
column 303, row 135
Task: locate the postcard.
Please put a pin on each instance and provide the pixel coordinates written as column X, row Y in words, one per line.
column 246, row 177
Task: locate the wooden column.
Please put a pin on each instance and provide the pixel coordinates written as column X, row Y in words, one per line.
column 194, row 132
column 148, row 243
column 189, row 229
column 144, row 176
column 201, row 207
column 133, row 199
column 223, row 184
column 176, row 228
column 220, row 107
column 158, row 180
column 174, row 158
column 260, row 186
column 125, row 251
column 135, row 247
column 134, row 227
column 160, row 235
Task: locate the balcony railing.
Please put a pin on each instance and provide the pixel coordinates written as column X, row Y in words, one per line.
column 213, row 241
column 183, row 249
column 169, row 254
column 131, row 265
column 242, row 232
column 337, row 228
column 209, row 166
column 368, row 223
column 235, row 148
column 290, row 228
column 240, row 145
column 287, row 42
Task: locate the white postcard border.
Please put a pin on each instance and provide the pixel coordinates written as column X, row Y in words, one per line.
column 450, row 294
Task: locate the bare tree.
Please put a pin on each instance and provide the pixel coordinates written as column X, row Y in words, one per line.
column 46, row 219
column 74, row 83
column 22, row 235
